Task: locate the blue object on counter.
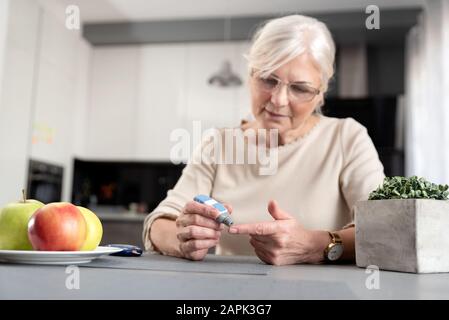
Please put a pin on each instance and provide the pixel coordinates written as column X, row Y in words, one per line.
column 128, row 250
column 224, row 216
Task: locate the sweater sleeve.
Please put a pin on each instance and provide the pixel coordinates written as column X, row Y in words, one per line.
column 196, row 178
column 362, row 171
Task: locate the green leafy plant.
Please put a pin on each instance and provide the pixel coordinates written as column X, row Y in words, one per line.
column 409, row 188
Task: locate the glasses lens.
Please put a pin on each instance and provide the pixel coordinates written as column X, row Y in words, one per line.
column 299, row 92
column 302, row 92
column 268, row 84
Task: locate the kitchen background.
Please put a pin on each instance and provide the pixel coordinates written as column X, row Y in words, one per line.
column 86, row 115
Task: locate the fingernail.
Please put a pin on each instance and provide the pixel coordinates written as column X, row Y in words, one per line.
column 232, row 230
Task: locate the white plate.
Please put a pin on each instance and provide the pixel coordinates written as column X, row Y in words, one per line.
column 54, row 257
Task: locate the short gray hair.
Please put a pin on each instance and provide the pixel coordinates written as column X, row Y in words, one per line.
column 280, row 40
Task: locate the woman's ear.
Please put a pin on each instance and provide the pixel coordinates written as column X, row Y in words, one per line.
column 321, row 102
column 318, row 106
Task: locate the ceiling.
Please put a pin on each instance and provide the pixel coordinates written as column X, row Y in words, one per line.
column 97, row 11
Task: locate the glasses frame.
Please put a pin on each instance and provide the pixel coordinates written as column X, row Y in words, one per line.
column 280, row 83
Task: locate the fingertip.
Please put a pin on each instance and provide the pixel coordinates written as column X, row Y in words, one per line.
column 233, row 230
column 272, row 204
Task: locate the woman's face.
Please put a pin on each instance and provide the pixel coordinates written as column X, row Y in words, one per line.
column 280, row 109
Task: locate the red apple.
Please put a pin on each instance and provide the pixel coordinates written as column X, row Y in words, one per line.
column 57, row 226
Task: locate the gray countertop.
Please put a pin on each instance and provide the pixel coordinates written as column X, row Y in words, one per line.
column 217, row 277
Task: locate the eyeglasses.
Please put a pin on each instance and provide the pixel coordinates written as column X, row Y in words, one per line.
column 298, row 92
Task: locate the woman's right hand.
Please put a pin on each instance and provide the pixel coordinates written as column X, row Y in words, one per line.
column 197, row 230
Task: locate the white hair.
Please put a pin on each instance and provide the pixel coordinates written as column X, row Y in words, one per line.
column 282, row 39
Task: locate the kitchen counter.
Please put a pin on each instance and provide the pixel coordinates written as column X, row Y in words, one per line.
column 124, row 217
column 217, row 277
column 122, row 228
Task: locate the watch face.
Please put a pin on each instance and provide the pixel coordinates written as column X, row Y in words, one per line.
column 335, row 252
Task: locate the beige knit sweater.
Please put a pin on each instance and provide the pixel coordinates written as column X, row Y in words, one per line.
column 319, row 178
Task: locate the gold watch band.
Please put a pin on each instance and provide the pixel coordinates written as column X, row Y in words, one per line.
column 335, row 237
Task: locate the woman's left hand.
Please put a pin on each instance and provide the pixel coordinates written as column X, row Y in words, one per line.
column 284, row 241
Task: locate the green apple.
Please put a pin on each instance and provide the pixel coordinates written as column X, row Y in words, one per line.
column 94, row 230
column 14, row 224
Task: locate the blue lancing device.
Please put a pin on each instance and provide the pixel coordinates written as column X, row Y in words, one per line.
column 224, row 216
column 127, row 250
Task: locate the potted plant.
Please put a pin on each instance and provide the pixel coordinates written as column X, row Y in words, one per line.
column 404, row 226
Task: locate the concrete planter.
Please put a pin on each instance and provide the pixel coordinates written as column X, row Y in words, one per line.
column 410, row 235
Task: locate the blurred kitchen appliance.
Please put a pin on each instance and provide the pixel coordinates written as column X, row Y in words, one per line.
column 225, row 76
column 44, row 181
column 137, row 186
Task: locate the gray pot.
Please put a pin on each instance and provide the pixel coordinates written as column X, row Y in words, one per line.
column 410, row 235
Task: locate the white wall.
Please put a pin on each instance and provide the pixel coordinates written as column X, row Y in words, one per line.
column 43, row 95
column 4, row 6
column 16, row 99
column 61, row 96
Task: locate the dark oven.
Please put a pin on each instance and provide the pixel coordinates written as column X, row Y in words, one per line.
column 44, row 181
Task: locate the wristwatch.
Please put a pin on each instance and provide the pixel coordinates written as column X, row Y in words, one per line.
column 334, row 250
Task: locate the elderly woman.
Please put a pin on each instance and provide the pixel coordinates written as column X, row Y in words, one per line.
column 304, row 212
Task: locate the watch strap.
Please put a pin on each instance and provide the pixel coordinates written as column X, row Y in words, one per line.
column 335, row 237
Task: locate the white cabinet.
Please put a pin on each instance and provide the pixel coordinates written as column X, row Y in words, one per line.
column 82, row 98
column 242, row 99
column 214, row 106
column 112, row 118
column 161, row 104
column 140, row 94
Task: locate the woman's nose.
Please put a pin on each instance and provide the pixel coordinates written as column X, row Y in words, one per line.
column 279, row 96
